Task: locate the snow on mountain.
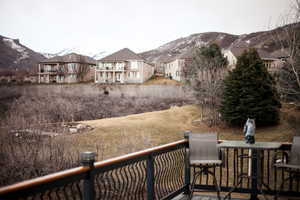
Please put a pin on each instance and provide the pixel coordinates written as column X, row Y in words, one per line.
column 260, row 40
column 15, row 56
column 180, row 46
column 20, row 49
column 77, row 50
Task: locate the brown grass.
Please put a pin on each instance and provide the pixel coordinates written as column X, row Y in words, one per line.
column 158, row 80
column 121, row 135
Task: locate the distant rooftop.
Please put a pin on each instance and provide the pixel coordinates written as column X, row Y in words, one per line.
column 122, row 55
column 237, row 51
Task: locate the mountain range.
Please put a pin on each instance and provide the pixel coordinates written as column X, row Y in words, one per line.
column 264, row 41
column 15, row 56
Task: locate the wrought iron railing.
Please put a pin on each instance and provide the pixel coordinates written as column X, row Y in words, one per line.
column 157, row 173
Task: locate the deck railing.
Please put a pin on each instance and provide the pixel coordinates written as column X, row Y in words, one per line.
column 269, row 178
column 158, row 173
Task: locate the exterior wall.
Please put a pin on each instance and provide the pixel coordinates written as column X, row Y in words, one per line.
column 62, row 73
column 147, row 71
column 133, row 71
column 174, row 69
column 159, row 69
column 273, row 65
column 90, row 74
column 231, row 59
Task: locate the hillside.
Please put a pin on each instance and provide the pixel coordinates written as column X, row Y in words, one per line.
column 260, row 40
column 15, row 56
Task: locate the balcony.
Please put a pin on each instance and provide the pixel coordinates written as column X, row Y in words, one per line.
column 113, row 67
column 158, row 173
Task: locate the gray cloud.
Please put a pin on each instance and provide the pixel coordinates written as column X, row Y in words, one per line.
column 96, row 25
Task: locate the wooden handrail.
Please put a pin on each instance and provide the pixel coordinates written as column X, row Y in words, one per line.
column 43, row 179
column 137, row 154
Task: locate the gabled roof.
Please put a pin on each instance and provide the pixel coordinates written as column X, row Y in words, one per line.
column 70, row 58
column 122, row 55
column 237, row 51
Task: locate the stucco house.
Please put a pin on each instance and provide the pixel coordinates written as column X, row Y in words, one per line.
column 70, row 68
column 174, row 68
column 123, row 66
column 273, row 61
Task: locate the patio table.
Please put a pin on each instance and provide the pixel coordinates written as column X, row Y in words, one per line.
column 256, row 149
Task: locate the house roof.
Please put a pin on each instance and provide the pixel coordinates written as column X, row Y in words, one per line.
column 280, row 53
column 70, row 58
column 237, row 51
column 122, row 55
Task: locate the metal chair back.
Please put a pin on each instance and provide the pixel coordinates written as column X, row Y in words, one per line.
column 203, row 147
column 295, row 151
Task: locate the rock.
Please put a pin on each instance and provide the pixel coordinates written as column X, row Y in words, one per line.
column 80, row 126
column 73, row 130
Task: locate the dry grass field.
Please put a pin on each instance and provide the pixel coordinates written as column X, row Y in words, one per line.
column 116, row 136
column 162, row 81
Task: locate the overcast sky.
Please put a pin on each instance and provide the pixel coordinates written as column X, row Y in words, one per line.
column 109, row 25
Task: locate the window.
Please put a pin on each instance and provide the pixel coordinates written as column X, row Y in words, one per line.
column 119, row 66
column 107, row 65
column 134, row 75
column 71, row 67
column 134, row 65
column 131, row 74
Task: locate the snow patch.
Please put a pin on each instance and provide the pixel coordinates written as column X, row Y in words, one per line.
column 248, row 41
column 77, row 50
column 11, row 43
column 221, row 37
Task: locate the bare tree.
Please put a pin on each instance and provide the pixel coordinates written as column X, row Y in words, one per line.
column 288, row 37
column 205, row 76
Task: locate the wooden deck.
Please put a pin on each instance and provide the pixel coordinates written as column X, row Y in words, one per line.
column 202, row 197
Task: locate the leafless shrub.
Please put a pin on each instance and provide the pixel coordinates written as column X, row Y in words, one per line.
column 26, row 153
column 26, row 156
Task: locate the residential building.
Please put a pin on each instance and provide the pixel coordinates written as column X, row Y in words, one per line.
column 70, row 68
column 175, row 68
column 273, row 61
column 123, row 66
column 159, row 68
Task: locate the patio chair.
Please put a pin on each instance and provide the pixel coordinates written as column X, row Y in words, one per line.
column 289, row 163
column 204, row 154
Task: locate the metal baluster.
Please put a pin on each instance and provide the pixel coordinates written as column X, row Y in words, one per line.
column 150, row 178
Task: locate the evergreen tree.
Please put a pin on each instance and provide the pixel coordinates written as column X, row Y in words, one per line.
column 249, row 91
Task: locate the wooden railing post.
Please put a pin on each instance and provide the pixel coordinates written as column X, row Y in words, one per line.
column 88, row 159
column 150, row 178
